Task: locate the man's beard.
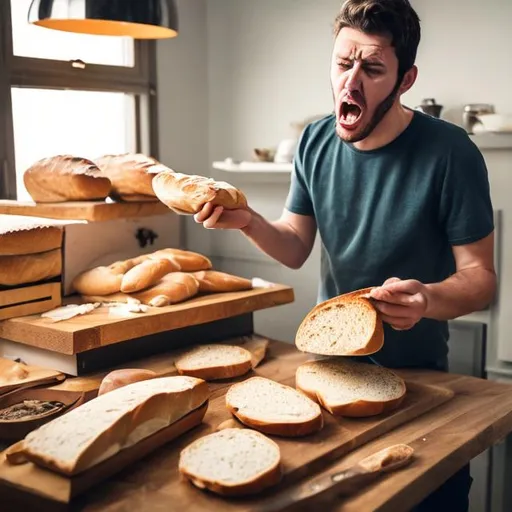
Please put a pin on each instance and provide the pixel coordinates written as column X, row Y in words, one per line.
column 380, row 111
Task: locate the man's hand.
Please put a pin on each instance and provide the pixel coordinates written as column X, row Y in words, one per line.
column 212, row 217
column 402, row 304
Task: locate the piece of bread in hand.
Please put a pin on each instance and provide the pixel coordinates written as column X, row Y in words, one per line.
column 273, row 408
column 65, row 178
column 345, row 325
column 188, row 261
column 214, row 361
column 104, row 426
column 213, row 281
column 131, row 175
column 232, row 462
column 119, row 378
column 187, row 194
column 350, row 388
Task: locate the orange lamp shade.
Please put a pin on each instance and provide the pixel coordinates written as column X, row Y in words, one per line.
column 139, row 19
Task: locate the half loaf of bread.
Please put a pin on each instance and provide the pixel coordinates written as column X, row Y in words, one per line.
column 187, row 194
column 350, row 388
column 102, row 427
column 273, row 408
column 65, row 178
column 345, row 325
column 232, row 462
column 131, row 175
column 214, row 361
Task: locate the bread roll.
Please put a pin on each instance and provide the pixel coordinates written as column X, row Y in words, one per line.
column 65, row 178
column 187, row 194
column 27, row 235
column 30, row 268
column 119, row 378
column 131, row 175
column 213, row 281
column 102, row 280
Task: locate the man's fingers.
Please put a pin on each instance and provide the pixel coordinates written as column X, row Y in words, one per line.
column 402, row 299
column 391, row 280
column 393, row 310
column 210, row 222
column 205, row 212
column 399, row 324
column 410, row 286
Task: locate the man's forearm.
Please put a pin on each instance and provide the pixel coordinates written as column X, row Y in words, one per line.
column 466, row 291
column 278, row 240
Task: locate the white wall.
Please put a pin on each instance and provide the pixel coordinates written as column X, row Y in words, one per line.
column 241, row 71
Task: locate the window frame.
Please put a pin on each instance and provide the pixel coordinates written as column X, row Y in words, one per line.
column 17, row 71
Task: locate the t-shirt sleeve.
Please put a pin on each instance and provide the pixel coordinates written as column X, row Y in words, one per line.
column 466, row 210
column 299, row 197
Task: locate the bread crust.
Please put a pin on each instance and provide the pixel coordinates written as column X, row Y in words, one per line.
column 119, row 378
column 187, row 194
column 65, row 178
column 266, row 479
column 189, row 261
column 213, row 281
column 30, row 268
column 146, row 273
column 30, row 240
column 159, row 405
column 373, row 345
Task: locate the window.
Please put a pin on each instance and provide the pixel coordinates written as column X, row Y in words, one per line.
column 69, row 93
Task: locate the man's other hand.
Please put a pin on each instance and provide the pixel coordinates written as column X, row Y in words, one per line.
column 212, row 217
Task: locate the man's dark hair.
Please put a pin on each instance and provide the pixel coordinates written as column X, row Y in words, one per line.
column 395, row 18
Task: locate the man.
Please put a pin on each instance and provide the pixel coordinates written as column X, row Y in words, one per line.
column 400, row 199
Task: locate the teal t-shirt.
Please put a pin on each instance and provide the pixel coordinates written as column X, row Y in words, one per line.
column 395, row 211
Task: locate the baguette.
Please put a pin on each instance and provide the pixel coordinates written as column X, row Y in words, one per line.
column 273, row 408
column 212, row 281
column 27, row 235
column 188, row 261
column 30, row 268
column 345, row 325
column 104, row 426
column 65, row 178
column 349, row 388
column 214, row 361
column 118, row 378
column 145, row 274
column 131, row 175
column 187, row 194
column 232, row 462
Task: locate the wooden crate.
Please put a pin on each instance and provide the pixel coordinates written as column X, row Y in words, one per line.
column 29, row 300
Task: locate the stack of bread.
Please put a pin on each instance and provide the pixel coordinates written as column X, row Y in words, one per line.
column 160, row 278
column 30, row 250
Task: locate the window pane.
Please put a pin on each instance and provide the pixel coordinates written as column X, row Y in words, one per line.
column 87, row 124
column 43, row 43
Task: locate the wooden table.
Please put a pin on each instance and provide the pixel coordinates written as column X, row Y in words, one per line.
column 446, row 438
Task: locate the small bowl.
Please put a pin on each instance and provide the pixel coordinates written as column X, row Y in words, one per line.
column 496, row 122
column 18, row 429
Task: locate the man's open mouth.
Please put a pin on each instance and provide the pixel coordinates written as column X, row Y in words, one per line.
column 350, row 113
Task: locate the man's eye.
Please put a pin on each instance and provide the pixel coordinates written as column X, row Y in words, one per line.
column 373, row 71
column 344, row 65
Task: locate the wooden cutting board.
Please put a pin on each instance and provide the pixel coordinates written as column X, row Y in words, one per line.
column 100, row 327
column 301, row 457
column 84, row 210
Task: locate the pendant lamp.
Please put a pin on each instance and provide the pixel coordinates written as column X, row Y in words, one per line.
column 140, row 19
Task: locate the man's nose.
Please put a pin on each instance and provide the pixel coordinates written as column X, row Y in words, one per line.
column 353, row 82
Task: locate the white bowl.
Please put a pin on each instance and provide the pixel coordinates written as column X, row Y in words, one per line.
column 496, row 122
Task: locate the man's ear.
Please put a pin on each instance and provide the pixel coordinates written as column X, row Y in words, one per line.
column 408, row 80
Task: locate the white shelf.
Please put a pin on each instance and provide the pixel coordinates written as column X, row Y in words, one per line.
column 254, row 167
column 493, row 140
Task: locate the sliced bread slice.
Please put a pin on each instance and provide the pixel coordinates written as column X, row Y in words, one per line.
column 273, row 408
column 345, row 325
column 214, row 361
column 232, row 462
column 349, row 388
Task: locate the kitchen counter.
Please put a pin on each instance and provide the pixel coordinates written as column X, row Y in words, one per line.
column 444, row 439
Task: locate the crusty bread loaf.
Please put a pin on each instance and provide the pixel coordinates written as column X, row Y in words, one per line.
column 171, row 289
column 131, row 175
column 146, row 274
column 345, row 325
column 188, row 261
column 27, row 235
column 232, row 462
column 187, row 194
column 273, row 408
column 214, row 361
column 102, row 427
column 30, row 268
column 213, row 281
column 350, row 388
column 119, row 378
column 65, row 178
